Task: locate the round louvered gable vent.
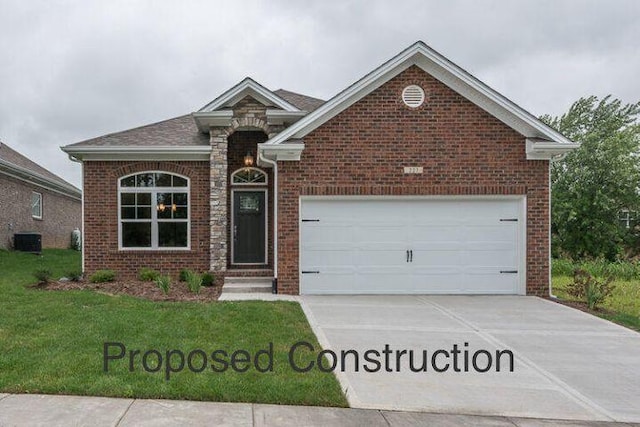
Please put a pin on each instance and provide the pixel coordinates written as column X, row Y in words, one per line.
column 413, row 96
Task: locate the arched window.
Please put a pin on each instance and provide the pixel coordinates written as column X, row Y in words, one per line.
column 153, row 211
column 249, row 176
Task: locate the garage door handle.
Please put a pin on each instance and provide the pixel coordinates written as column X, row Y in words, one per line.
column 508, row 271
column 310, row 272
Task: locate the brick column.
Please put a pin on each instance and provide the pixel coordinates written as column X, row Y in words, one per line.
column 218, row 242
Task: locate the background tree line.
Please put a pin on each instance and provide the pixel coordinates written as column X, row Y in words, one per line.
column 595, row 183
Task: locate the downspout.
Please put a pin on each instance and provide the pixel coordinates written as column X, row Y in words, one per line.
column 75, row 159
column 553, row 159
column 274, row 164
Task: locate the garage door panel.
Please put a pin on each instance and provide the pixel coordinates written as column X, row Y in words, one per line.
column 457, row 246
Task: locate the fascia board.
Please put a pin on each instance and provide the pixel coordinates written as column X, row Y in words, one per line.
column 139, row 153
column 547, row 150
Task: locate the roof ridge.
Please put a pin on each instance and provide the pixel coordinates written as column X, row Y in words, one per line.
column 298, row 93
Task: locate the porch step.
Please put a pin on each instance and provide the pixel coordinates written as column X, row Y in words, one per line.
column 236, row 285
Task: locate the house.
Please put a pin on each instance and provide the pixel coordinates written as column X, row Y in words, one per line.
column 417, row 178
column 34, row 200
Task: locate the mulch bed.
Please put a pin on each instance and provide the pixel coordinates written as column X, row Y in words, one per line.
column 582, row 306
column 147, row 290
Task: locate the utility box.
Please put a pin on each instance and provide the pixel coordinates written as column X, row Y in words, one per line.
column 28, row 242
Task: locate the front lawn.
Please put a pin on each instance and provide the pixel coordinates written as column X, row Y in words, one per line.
column 52, row 342
column 623, row 306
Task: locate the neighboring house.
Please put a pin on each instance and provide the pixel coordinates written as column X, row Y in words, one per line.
column 32, row 199
column 418, row 178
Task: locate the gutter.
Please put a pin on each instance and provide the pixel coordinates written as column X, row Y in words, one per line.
column 273, row 164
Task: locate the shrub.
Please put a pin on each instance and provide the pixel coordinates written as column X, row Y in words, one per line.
column 208, row 279
column 194, row 282
column 588, row 288
column 43, row 275
column 102, row 276
column 163, row 283
column 183, row 274
column 147, row 274
column 74, row 275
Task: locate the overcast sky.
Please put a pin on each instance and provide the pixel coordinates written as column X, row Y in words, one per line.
column 72, row 70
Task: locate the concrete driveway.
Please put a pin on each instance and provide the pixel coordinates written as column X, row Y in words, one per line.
column 567, row 364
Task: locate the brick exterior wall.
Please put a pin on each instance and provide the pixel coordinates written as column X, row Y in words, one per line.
column 101, row 220
column 60, row 214
column 463, row 149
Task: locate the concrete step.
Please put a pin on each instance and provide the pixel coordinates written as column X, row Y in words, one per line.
column 247, row 285
column 247, row 279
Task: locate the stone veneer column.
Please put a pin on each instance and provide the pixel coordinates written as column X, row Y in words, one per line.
column 218, row 240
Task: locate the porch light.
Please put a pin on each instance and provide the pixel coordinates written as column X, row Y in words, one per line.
column 248, row 160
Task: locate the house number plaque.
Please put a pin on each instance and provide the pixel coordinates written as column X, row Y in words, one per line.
column 412, row 169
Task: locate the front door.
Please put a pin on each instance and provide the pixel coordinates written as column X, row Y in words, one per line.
column 249, row 227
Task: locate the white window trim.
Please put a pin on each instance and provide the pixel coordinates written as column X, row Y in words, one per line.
column 41, row 199
column 266, row 177
column 154, row 212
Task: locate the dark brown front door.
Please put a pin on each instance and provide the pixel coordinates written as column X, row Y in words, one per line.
column 249, row 232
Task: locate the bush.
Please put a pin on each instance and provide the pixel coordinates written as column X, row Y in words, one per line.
column 102, row 276
column 74, row 275
column 163, row 283
column 147, row 274
column 43, row 275
column 588, row 288
column 194, row 282
column 208, row 279
column 183, row 274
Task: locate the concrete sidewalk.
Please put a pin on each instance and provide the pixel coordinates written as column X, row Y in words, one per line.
column 45, row 410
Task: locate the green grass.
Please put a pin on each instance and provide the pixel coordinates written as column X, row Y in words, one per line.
column 52, row 342
column 623, row 305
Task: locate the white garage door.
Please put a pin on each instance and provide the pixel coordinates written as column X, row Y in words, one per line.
column 412, row 246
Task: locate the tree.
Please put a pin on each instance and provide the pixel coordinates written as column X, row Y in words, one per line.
column 595, row 182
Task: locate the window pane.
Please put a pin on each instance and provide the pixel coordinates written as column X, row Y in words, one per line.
column 179, row 182
column 129, row 181
column 136, row 234
column 128, row 213
column 144, row 199
column 180, row 199
column 36, row 204
column 172, row 234
column 181, row 212
column 128, row 199
column 164, row 198
column 165, row 213
column 144, row 213
column 163, row 180
column 145, row 180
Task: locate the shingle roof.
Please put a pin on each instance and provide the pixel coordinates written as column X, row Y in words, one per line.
column 9, row 155
column 178, row 131
column 303, row 102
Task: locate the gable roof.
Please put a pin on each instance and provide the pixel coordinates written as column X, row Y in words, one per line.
column 450, row 74
column 248, row 87
column 15, row 164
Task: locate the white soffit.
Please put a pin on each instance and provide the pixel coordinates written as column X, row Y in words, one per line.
column 194, row 153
